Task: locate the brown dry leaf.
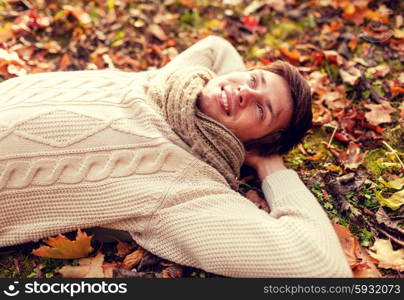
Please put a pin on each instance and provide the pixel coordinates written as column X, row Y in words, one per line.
column 174, row 271
column 108, row 269
column 350, row 75
column 65, row 61
column 361, row 263
column 133, row 258
column 388, row 258
column 83, row 17
column 335, row 100
column 381, row 70
column 124, row 248
column 402, row 110
column 318, row 81
column 379, row 113
column 90, row 267
column 157, row 31
column 321, row 115
column 62, row 247
column 257, row 200
column 334, row 57
column 353, row 157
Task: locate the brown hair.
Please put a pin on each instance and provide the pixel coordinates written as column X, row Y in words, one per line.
column 282, row 140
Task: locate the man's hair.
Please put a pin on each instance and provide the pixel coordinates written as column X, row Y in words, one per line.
column 282, row 140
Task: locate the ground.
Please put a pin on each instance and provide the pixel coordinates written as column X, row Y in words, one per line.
column 351, row 52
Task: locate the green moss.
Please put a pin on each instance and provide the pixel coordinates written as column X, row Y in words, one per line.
column 395, row 64
column 395, row 137
column 308, row 22
column 312, row 143
column 279, row 33
column 331, row 70
column 191, row 18
column 375, row 161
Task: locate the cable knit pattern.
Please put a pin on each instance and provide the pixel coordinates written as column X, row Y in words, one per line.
column 89, row 149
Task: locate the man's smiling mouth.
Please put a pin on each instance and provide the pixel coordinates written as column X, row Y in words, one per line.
column 224, row 100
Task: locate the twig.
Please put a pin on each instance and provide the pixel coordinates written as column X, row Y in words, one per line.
column 394, row 152
column 332, row 136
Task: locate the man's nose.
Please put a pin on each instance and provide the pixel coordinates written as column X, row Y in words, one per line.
column 245, row 96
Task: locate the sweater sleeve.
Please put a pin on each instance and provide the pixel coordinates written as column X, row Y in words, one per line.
column 222, row 232
column 212, row 52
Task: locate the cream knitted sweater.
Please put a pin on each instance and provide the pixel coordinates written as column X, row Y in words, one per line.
column 86, row 148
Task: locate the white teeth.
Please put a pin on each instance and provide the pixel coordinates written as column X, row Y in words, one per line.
column 224, row 100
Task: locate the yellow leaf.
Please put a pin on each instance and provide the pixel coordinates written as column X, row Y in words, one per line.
column 398, row 33
column 62, row 247
column 6, row 33
column 387, row 257
column 396, row 184
column 133, row 258
column 90, row 267
column 394, row 202
column 214, row 24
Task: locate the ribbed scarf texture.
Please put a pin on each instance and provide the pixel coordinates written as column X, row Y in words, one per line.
column 176, row 94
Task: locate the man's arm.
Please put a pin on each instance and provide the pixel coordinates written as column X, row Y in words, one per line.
column 212, row 52
column 220, row 231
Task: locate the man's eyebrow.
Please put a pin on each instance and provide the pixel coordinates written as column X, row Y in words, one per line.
column 263, row 83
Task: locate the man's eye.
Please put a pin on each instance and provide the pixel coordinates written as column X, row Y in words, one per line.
column 260, row 111
column 253, row 81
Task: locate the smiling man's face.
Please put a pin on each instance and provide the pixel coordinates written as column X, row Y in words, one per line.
column 251, row 104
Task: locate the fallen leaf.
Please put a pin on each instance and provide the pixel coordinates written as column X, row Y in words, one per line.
column 62, row 247
column 321, row 115
column 124, row 248
column 381, row 70
column 335, row 100
column 261, row 203
column 353, row 43
column 90, row 267
column 65, row 61
column 394, row 202
column 316, row 156
column 317, row 81
column 376, row 32
column 361, row 263
column 6, row 33
column 157, row 31
column 293, row 55
column 147, row 261
column 108, row 269
column 334, row 57
column 123, row 273
column 390, row 228
column 83, row 17
column 350, row 75
column 175, row 271
column 133, row 258
column 342, row 185
column 379, row 113
column 396, row 184
column 388, row 258
column 353, row 157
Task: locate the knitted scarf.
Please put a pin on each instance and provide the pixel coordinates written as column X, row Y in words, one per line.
column 176, row 94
